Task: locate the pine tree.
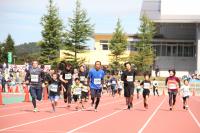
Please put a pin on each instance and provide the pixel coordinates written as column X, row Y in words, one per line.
column 144, row 57
column 118, row 44
column 80, row 31
column 52, row 34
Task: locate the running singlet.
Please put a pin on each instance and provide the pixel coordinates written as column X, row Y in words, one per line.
column 172, row 84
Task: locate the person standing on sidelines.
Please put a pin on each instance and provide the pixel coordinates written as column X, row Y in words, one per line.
column 95, row 81
column 66, row 79
column 173, row 85
column 34, row 77
column 128, row 76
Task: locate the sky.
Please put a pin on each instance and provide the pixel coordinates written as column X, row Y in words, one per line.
column 21, row 18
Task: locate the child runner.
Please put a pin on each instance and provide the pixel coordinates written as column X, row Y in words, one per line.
column 54, row 89
column 83, row 79
column 185, row 89
column 155, row 87
column 128, row 76
column 146, row 84
column 113, row 82
column 173, row 84
column 120, row 86
column 95, row 80
column 76, row 91
column 138, row 88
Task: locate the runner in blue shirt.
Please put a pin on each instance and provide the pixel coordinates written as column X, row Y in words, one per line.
column 95, row 79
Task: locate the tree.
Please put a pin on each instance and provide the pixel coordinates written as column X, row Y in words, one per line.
column 52, row 34
column 80, row 31
column 144, row 57
column 118, row 45
column 6, row 47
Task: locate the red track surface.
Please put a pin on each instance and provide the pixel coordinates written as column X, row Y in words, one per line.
column 111, row 117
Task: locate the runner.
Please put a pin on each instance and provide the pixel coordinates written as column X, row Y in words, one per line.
column 155, row 87
column 54, row 89
column 83, row 79
column 95, row 80
column 173, row 84
column 138, row 88
column 119, row 86
column 113, row 82
column 146, row 85
column 128, row 77
column 185, row 89
column 66, row 78
column 34, row 78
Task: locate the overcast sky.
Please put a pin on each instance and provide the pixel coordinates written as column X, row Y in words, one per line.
column 21, row 18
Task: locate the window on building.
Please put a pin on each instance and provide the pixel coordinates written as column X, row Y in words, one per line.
column 174, row 50
column 169, row 50
column 157, row 50
column 186, row 51
column 104, row 47
column 103, row 41
column 180, row 50
column 164, row 47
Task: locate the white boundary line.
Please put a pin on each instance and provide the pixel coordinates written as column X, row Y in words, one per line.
column 150, row 118
column 92, row 122
column 194, row 118
column 48, row 118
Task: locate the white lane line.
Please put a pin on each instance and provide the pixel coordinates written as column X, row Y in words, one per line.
column 153, row 114
column 48, row 118
column 104, row 117
column 194, row 118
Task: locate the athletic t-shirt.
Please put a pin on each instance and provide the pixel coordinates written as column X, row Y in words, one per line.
column 128, row 77
column 83, row 77
column 113, row 81
column 77, row 89
column 185, row 90
column 67, row 75
column 146, row 84
column 173, row 83
column 54, row 87
column 96, row 77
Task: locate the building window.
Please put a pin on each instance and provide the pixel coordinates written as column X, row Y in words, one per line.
column 104, row 47
column 164, row 50
column 169, row 50
column 180, row 50
column 103, row 41
column 174, row 50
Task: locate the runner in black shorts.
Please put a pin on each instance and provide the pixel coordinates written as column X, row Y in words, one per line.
column 146, row 84
column 128, row 76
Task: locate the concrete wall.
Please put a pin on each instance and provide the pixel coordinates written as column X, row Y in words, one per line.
column 179, row 63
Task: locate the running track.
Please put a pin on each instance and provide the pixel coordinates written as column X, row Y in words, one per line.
column 111, row 117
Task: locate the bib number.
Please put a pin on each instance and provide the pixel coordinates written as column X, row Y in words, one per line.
column 82, row 78
column 53, row 88
column 34, row 78
column 68, row 76
column 113, row 82
column 97, row 81
column 130, row 78
column 146, row 86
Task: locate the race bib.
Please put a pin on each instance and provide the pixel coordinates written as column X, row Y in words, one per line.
column 130, row 78
column 78, row 91
column 68, row 76
column 84, row 89
column 172, row 86
column 34, row 78
column 97, row 81
column 82, row 78
column 53, row 87
column 147, row 85
column 113, row 82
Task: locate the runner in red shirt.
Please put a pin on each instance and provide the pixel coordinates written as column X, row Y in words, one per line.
column 173, row 85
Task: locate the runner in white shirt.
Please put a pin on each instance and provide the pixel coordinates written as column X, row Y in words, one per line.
column 185, row 90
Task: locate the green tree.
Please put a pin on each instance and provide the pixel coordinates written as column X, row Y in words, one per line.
column 118, row 45
column 144, row 57
column 6, row 47
column 52, row 34
column 80, row 31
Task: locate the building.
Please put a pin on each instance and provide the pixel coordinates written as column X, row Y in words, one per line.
column 178, row 26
